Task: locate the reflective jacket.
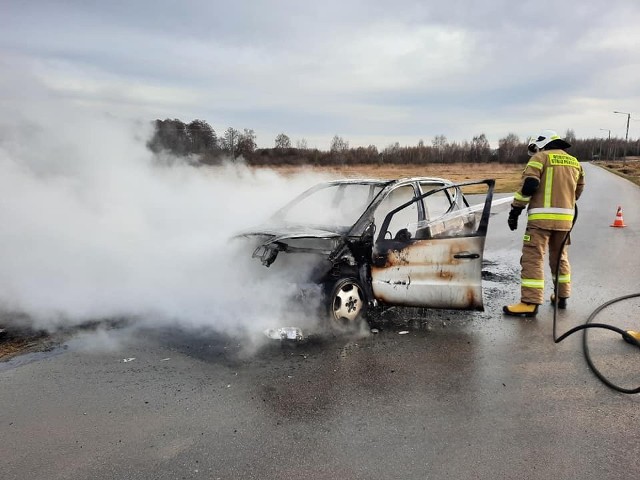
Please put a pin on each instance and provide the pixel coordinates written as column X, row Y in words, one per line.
column 551, row 206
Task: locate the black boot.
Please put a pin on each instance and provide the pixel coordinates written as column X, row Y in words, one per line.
column 562, row 302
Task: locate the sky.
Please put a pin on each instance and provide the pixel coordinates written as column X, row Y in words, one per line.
column 373, row 72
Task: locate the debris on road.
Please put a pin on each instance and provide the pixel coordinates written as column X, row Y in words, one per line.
column 375, row 330
column 285, row 333
column 126, row 360
column 403, row 332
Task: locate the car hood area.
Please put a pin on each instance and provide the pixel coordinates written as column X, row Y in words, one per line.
column 273, row 239
column 283, row 232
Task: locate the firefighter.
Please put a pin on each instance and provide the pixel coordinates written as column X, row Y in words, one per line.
column 551, row 183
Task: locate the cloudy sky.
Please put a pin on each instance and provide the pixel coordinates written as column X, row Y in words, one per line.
column 373, row 72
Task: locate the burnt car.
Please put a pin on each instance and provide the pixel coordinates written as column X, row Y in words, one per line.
column 414, row 242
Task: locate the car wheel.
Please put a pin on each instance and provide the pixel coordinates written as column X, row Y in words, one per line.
column 347, row 304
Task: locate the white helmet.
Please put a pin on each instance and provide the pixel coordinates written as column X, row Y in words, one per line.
column 545, row 138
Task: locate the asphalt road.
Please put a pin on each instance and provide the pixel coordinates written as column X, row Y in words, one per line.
column 461, row 396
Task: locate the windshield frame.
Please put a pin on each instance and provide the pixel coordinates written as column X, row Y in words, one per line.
column 376, row 187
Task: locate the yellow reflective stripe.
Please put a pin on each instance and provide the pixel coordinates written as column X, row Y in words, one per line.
column 563, row 160
column 548, row 187
column 564, row 278
column 518, row 196
column 532, row 283
column 566, row 211
column 551, row 216
column 534, row 164
column 526, row 238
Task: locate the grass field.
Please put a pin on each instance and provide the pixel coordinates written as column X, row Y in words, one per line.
column 507, row 176
column 629, row 169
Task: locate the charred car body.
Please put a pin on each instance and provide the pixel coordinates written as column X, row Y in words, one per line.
column 414, row 242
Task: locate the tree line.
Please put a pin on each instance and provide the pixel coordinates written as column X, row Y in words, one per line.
column 200, row 142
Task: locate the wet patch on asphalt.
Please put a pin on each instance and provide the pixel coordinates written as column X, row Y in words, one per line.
column 18, row 348
column 500, row 271
column 22, row 358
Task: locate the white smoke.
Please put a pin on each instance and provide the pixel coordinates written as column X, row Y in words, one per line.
column 92, row 227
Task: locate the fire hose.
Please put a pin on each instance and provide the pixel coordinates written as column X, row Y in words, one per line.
column 629, row 336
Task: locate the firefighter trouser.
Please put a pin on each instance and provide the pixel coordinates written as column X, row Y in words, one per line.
column 534, row 247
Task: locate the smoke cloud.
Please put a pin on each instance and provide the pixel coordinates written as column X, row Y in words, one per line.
column 94, row 227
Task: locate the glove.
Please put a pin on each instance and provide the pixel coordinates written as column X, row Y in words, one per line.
column 513, row 217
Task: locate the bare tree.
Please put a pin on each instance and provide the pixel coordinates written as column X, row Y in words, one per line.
column 508, row 148
column 170, row 135
column 202, row 135
column 339, row 145
column 302, row 144
column 480, row 148
column 230, row 141
column 246, row 141
column 439, row 143
column 392, row 150
column 283, row 141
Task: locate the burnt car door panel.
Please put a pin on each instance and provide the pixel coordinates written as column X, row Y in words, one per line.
column 433, row 262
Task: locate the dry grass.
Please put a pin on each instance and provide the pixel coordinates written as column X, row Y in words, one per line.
column 14, row 343
column 507, row 176
column 629, row 169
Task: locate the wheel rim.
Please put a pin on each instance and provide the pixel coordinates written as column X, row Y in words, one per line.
column 347, row 303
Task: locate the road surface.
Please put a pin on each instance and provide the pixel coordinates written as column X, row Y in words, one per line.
column 461, row 396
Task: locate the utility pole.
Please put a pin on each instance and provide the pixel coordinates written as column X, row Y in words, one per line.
column 626, row 138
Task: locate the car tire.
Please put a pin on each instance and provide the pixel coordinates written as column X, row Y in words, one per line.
column 347, row 305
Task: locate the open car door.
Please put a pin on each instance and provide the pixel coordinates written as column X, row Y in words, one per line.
column 434, row 263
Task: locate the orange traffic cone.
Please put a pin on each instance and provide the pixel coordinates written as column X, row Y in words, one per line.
column 618, row 222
